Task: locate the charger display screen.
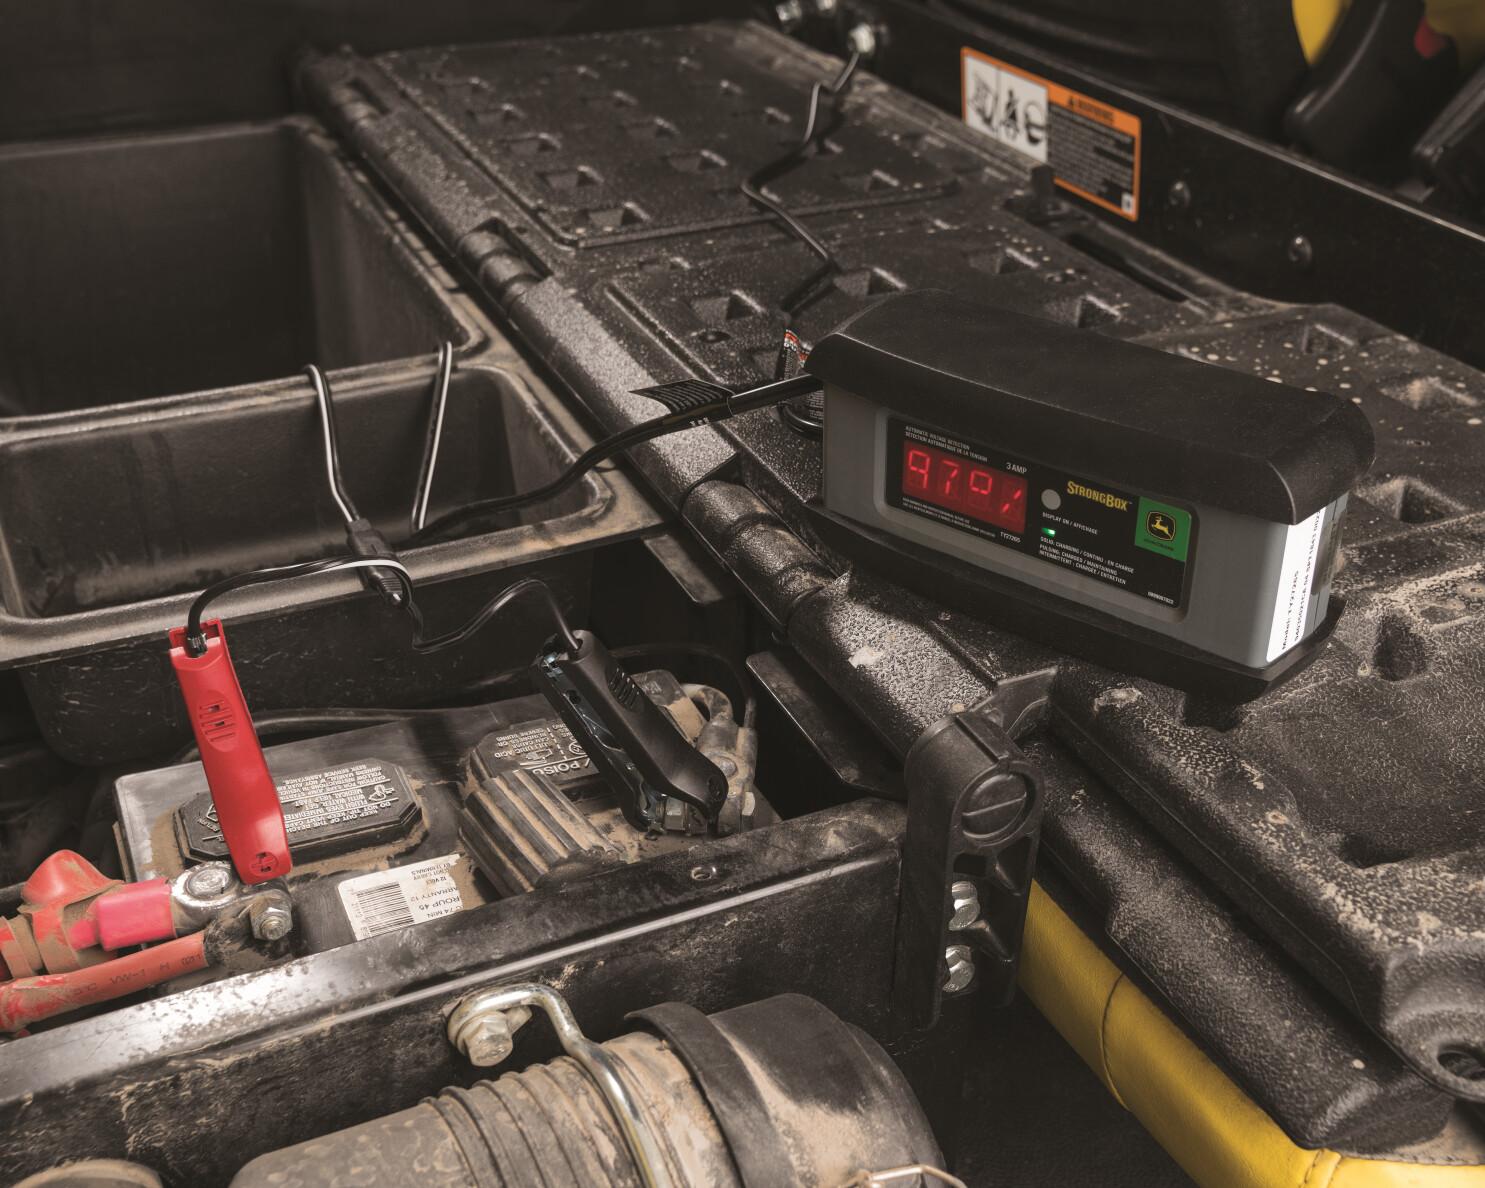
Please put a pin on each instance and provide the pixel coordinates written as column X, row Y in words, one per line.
column 1075, row 522
column 960, row 484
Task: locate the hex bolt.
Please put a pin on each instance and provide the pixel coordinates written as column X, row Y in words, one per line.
column 208, row 881
column 862, row 39
column 1178, row 197
column 270, row 921
column 486, row 1038
column 1300, row 251
column 961, row 968
column 965, row 897
column 789, row 13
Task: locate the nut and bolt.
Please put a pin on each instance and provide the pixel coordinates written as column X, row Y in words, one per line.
column 825, row 8
column 1178, row 197
column 961, row 968
column 270, row 921
column 486, row 1037
column 862, row 39
column 208, row 881
column 965, row 897
column 788, row 14
column 1300, row 251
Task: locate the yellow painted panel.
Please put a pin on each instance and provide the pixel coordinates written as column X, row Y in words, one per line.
column 1209, row 1126
column 1315, row 21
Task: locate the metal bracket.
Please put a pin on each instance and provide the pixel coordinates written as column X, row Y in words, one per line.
column 645, row 1146
column 974, row 818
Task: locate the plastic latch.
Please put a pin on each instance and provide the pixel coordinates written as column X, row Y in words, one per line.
column 975, row 805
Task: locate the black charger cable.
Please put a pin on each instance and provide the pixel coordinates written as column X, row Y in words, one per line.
column 360, row 534
column 691, row 402
column 421, row 642
column 753, row 187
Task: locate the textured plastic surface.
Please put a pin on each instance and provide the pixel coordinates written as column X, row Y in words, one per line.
column 248, row 811
column 636, row 111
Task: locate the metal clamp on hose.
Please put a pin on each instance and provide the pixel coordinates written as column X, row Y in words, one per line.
column 487, row 1005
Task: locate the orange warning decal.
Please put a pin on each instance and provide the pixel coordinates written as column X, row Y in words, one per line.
column 1092, row 148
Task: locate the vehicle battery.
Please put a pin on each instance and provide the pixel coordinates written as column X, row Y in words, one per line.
column 373, row 815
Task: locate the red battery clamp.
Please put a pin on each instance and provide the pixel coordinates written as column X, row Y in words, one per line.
column 247, row 805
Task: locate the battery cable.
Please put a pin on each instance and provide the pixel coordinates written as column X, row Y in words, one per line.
column 196, row 637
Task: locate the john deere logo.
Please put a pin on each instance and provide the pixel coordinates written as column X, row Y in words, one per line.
column 1160, row 526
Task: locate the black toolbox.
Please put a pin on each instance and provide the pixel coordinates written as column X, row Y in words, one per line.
column 156, row 435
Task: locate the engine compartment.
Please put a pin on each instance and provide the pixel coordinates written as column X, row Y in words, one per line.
column 1294, row 879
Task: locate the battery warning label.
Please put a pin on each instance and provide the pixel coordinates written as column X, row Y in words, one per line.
column 1093, row 149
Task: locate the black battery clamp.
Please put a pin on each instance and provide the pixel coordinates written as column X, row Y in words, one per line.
column 1153, row 513
column 628, row 737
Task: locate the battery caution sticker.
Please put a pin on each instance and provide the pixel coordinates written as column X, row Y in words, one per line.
column 1093, row 148
column 326, row 811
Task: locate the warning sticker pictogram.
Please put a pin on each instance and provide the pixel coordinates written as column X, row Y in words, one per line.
column 1093, row 149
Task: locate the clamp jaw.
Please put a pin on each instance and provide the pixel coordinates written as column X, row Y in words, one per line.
column 627, row 735
column 246, row 800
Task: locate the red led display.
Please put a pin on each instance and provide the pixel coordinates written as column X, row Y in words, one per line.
column 954, row 482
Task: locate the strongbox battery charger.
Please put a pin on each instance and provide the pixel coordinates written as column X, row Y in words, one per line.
column 1152, row 513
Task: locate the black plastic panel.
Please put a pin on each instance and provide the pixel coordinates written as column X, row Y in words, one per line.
column 231, row 488
column 151, row 265
column 619, row 139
